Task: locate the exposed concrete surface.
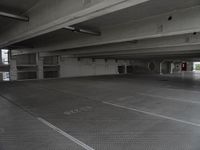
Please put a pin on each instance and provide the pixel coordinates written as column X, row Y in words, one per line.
column 112, row 112
column 72, row 67
column 20, row 131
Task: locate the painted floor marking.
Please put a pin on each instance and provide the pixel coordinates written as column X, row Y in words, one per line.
column 169, row 98
column 139, row 93
column 83, row 145
column 154, row 114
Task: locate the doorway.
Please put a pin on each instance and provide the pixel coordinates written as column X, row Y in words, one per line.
column 184, row 66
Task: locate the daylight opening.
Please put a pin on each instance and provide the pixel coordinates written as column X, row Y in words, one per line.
column 196, row 66
column 4, row 62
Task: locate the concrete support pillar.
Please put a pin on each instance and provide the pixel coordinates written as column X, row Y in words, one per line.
column 40, row 65
column 59, row 62
column 172, row 68
column 0, row 56
column 13, row 69
column 127, row 63
column 189, row 66
column 125, row 71
column 161, row 63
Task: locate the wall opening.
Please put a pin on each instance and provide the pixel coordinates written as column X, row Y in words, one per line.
column 196, row 66
column 184, row 66
column 4, row 55
column 121, row 69
column 5, row 75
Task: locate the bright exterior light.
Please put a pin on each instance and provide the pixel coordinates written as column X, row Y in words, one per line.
column 196, row 66
column 4, row 53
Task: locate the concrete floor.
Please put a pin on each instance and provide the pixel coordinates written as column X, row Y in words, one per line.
column 130, row 112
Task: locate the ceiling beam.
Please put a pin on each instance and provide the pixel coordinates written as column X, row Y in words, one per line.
column 14, row 16
column 151, row 51
column 150, row 56
column 171, row 41
column 84, row 31
column 67, row 13
column 184, row 21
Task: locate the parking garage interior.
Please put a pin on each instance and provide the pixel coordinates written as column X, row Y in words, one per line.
column 99, row 75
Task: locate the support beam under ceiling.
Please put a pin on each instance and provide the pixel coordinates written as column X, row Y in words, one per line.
column 96, row 9
column 84, row 31
column 13, row 16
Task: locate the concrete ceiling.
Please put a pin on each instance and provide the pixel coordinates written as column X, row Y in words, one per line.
column 55, row 36
column 18, row 7
column 144, row 10
column 132, row 14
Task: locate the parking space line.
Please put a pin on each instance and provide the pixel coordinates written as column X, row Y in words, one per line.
column 169, row 98
column 153, row 114
column 83, row 145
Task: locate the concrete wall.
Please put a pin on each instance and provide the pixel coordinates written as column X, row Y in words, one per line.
column 26, row 59
column 190, row 66
column 166, row 67
column 143, row 66
column 178, row 68
column 72, row 67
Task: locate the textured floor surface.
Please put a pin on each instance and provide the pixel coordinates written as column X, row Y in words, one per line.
column 133, row 112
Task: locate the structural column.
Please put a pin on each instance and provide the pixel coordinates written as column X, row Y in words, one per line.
column 0, row 56
column 40, row 65
column 161, row 63
column 59, row 64
column 172, row 68
column 13, row 68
